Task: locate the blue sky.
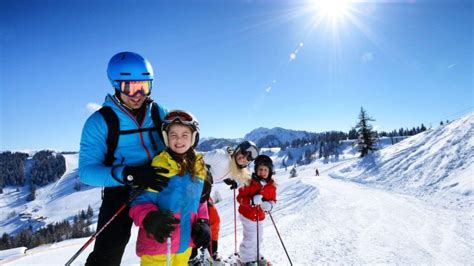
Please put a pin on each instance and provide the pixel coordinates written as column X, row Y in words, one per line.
column 229, row 62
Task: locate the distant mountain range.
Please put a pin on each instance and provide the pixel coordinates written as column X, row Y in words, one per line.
column 263, row 137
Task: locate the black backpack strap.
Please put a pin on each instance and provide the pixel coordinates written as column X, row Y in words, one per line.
column 206, row 190
column 155, row 116
column 113, row 127
column 113, row 132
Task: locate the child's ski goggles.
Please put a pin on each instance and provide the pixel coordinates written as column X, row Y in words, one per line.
column 182, row 117
column 133, row 87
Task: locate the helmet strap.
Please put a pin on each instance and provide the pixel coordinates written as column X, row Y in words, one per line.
column 164, row 133
column 234, row 155
column 193, row 138
column 256, row 177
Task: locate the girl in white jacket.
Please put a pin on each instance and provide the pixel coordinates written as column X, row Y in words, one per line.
column 230, row 165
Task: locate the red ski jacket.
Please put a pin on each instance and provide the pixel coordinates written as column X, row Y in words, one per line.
column 214, row 220
column 245, row 196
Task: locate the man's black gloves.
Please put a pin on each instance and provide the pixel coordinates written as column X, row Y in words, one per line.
column 201, row 233
column 145, row 176
column 231, row 182
column 159, row 224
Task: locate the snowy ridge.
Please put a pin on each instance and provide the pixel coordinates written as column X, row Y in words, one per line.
column 438, row 163
column 276, row 135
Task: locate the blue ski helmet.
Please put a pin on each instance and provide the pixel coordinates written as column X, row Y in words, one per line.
column 128, row 66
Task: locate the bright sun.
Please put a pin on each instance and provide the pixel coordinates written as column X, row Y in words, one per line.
column 332, row 9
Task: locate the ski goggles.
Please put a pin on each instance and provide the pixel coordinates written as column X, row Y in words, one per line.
column 180, row 117
column 250, row 154
column 133, row 87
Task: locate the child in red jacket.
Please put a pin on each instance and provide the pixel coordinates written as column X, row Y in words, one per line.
column 255, row 199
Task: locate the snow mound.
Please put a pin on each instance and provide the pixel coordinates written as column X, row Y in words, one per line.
column 437, row 165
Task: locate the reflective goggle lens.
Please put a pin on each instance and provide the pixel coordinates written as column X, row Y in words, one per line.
column 251, row 154
column 181, row 116
column 131, row 88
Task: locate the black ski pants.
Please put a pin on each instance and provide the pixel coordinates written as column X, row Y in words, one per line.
column 110, row 243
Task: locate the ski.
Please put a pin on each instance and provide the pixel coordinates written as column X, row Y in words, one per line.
column 234, row 260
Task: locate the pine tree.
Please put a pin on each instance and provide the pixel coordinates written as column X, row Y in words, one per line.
column 321, row 149
column 401, row 132
column 32, row 195
column 367, row 137
column 90, row 212
column 422, row 128
column 352, row 133
column 5, row 242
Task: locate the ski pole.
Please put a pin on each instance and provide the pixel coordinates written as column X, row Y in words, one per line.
column 258, row 240
column 281, row 240
column 235, row 225
column 94, row 236
column 168, row 251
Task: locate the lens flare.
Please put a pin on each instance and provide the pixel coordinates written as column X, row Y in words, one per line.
column 332, row 9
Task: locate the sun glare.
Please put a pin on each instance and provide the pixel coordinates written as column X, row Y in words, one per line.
column 332, row 9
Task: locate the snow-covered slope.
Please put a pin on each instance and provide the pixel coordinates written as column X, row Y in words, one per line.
column 327, row 219
column 54, row 202
column 437, row 164
column 324, row 221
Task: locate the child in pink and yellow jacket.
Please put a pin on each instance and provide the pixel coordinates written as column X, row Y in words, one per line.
column 175, row 211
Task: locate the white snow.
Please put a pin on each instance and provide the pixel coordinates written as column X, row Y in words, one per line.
column 12, row 253
column 437, row 165
column 403, row 208
column 54, row 202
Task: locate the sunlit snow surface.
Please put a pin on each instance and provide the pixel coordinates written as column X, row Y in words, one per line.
column 411, row 204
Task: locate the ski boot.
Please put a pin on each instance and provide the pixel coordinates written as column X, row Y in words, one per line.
column 232, row 260
column 261, row 262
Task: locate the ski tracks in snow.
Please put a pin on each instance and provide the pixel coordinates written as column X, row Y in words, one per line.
column 351, row 223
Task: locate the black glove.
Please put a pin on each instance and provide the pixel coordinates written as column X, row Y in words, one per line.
column 145, row 176
column 201, row 233
column 159, row 224
column 230, row 182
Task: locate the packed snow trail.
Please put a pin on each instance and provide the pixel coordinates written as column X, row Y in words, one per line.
column 361, row 225
column 325, row 220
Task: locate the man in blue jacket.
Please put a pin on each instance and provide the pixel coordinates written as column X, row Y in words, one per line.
column 128, row 164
